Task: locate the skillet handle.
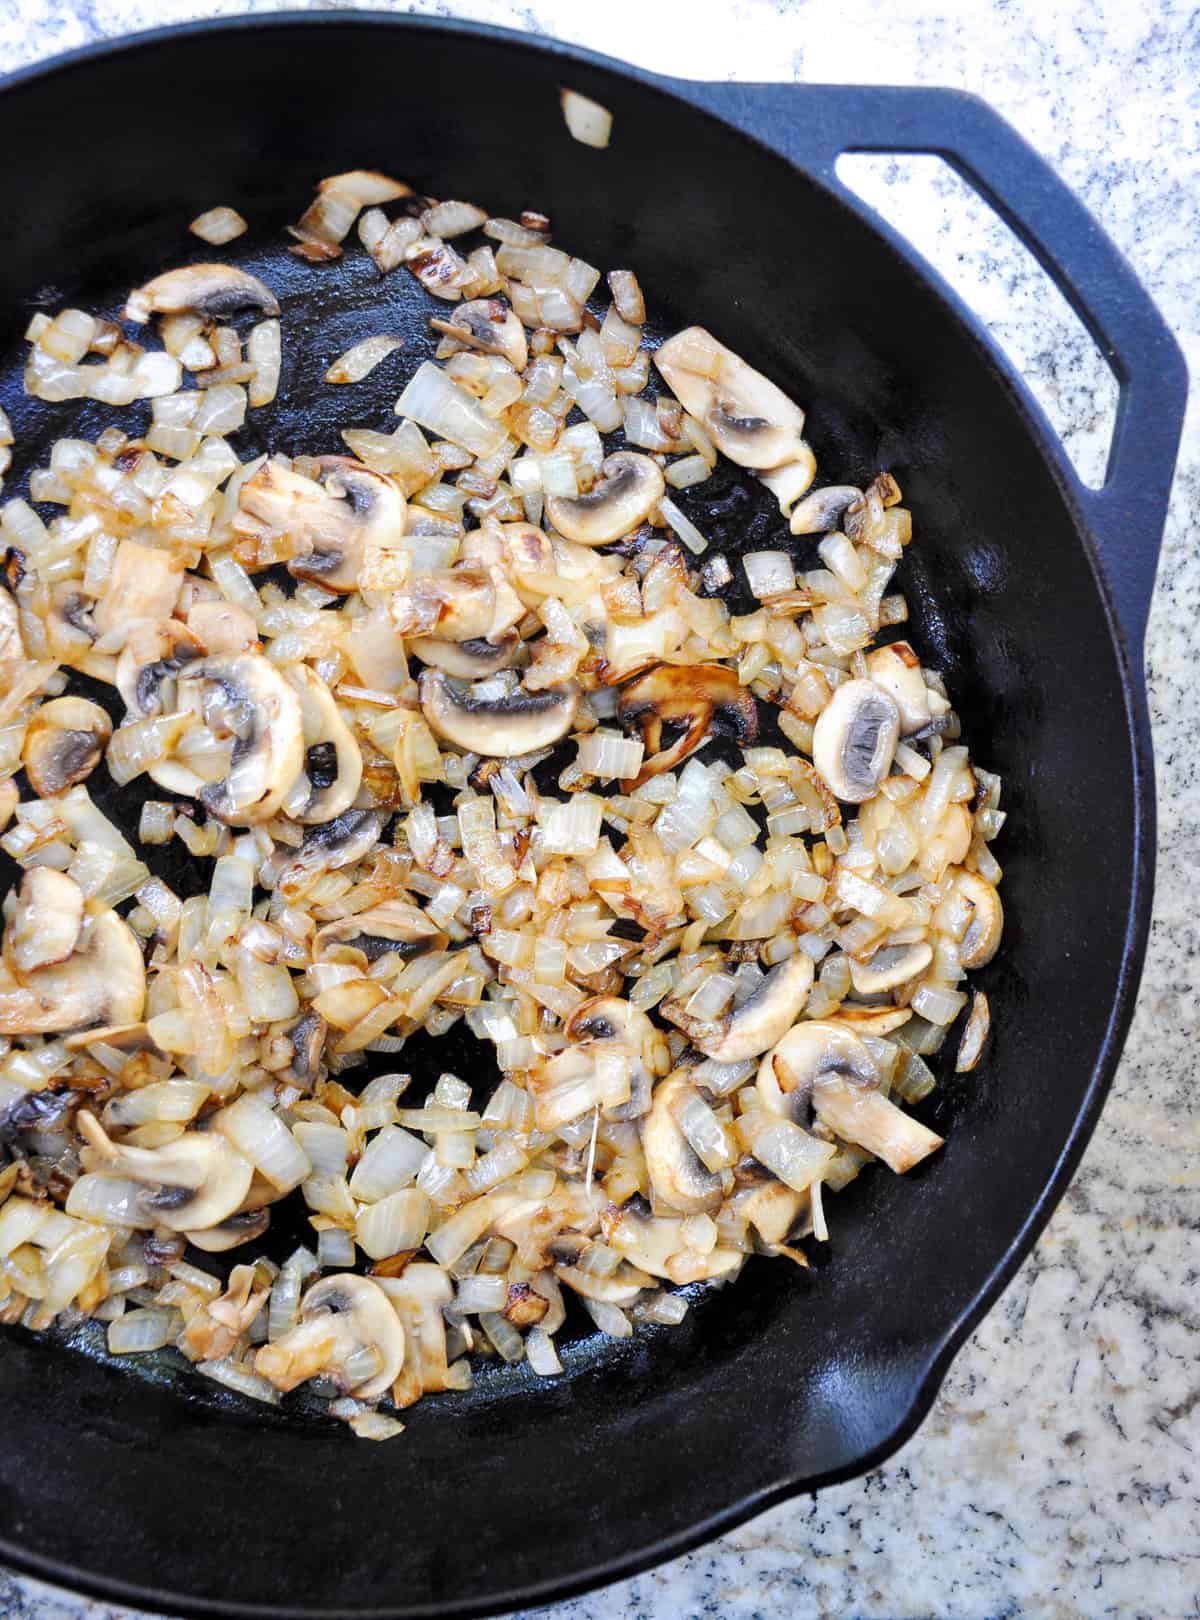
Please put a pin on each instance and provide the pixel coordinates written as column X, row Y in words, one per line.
column 814, row 124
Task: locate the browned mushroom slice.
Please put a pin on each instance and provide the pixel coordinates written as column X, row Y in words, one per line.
column 679, row 1178
column 821, row 512
column 854, row 740
column 213, row 291
column 747, row 417
column 330, row 780
column 459, row 605
column 246, row 697
column 330, row 518
column 63, row 744
column 489, row 325
column 629, row 488
column 982, row 938
column 897, row 669
column 47, row 921
column 760, row 1020
column 824, row 1068
column 193, row 1183
column 501, row 727
column 890, row 966
column 154, row 654
column 471, row 660
column 691, row 696
column 102, row 981
column 392, row 926
column 342, row 1319
column 232, row 1232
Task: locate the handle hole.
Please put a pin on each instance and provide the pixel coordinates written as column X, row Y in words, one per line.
column 939, row 213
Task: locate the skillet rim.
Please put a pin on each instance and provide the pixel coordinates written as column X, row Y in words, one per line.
column 930, row 1368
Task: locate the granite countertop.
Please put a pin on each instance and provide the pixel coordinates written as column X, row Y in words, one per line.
column 1059, row 1471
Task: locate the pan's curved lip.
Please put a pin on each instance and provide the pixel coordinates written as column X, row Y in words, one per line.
column 950, row 1338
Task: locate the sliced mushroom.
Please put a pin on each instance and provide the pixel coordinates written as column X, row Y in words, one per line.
column 854, row 740
column 629, row 488
column 459, row 605
column 489, row 325
column 63, row 744
column 812, row 1050
column 470, row 660
column 247, row 697
column 867, row 1118
column 197, row 1181
column 326, row 848
column 611, row 1018
column 498, row 728
column 70, row 626
column 144, row 583
column 342, row 1318
column 213, row 291
column 651, row 1241
column 614, row 1290
column 232, row 1232
column 890, row 966
column 772, row 1209
column 747, row 417
column 102, row 981
column 154, row 654
column 47, row 922
column 689, row 695
column 11, row 643
column 332, row 516
column 897, row 670
column 982, row 938
column 306, row 1036
column 821, row 512
column 679, row 1179
column 789, row 482
column 330, row 781
column 393, row 926
column 763, row 1018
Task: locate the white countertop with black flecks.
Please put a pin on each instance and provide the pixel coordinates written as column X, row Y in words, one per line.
column 1059, row 1472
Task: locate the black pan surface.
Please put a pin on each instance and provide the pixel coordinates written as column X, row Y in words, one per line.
column 150, row 1484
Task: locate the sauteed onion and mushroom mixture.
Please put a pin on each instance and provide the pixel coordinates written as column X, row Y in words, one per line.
column 459, row 722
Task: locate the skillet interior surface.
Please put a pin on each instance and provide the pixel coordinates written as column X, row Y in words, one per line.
column 158, row 1486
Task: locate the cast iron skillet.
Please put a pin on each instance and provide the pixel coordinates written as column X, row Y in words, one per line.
column 1028, row 590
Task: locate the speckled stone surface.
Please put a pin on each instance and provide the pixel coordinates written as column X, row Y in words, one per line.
column 1059, row 1472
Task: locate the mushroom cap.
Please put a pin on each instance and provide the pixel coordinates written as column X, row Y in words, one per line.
column 812, row 1051
column 155, row 651
column 333, row 516
column 890, row 966
column 764, row 1017
column 982, row 938
column 896, row 669
column 102, row 981
column 230, row 1233
column 854, row 740
column 687, row 695
column 46, row 923
column 499, row 728
column 677, row 1175
column 629, row 488
column 821, row 512
column 393, row 925
column 324, row 731
column 362, row 1314
column 199, row 1179
column 471, row 660
column 747, row 417
column 263, row 712
column 214, row 291
column 63, row 744
column 489, row 325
